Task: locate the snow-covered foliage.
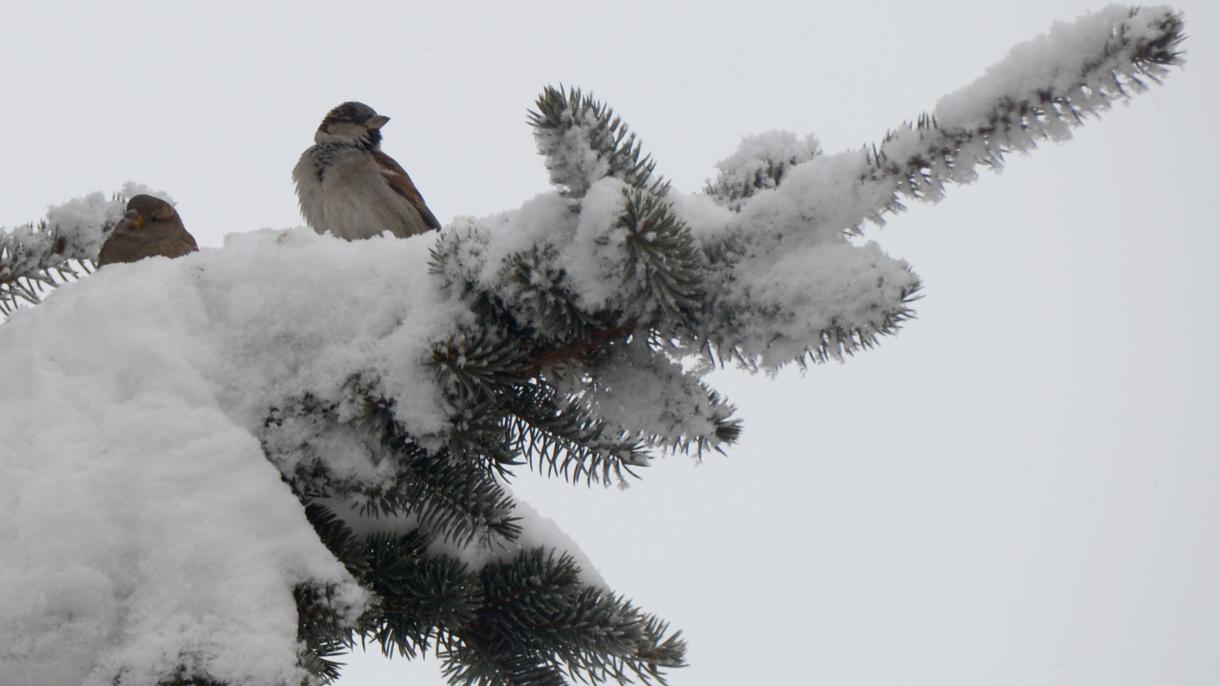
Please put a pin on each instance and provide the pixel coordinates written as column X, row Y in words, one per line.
column 1044, row 88
column 760, row 163
column 583, row 141
column 794, row 283
column 392, row 384
column 654, row 399
column 143, row 527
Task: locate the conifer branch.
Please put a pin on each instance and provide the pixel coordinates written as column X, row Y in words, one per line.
column 664, row 270
column 1124, row 49
column 560, row 332
column 38, row 258
column 421, row 600
column 760, row 163
column 324, row 634
column 563, row 438
column 579, row 348
column 583, row 141
column 528, row 619
column 639, row 390
column 456, row 500
column 983, row 122
column 539, row 621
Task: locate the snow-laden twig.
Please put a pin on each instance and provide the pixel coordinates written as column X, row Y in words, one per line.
column 795, row 287
column 1041, row 91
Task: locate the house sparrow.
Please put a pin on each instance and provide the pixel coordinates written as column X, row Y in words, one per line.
column 150, row 227
column 348, row 187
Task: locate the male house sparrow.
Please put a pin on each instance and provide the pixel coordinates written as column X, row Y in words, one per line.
column 348, row 187
column 150, row 227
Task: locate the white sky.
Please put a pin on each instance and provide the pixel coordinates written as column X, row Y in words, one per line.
column 1020, row 488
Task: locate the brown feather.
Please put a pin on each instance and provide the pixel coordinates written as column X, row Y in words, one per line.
column 401, row 182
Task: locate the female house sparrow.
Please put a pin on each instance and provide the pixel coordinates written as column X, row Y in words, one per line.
column 348, row 187
column 150, row 227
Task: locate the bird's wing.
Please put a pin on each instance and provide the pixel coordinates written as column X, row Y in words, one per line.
column 120, row 247
column 401, row 182
column 308, row 179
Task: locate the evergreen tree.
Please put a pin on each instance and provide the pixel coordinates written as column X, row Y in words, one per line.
column 570, row 345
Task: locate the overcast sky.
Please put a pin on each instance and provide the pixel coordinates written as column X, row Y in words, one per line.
column 1023, row 487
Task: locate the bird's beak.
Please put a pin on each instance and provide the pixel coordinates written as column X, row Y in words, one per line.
column 133, row 218
column 377, row 121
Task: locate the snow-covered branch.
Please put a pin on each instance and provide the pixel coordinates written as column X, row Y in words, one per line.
column 794, row 286
column 1041, row 91
column 573, row 333
column 583, row 141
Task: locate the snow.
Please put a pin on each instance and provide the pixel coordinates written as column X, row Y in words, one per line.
column 488, row 243
column 794, row 282
column 144, row 527
column 574, row 161
column 1053, row 61
column 304, row 313
column 595, row 255
column 148, row 526
column 797, row 283
column 645, row 393
column 818, row 201
column 818, row 299
column 708, row 220
column 761, row 160
column 143, row 519
column 150, row 529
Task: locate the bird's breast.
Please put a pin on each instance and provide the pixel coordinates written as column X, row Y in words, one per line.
column 356, row 200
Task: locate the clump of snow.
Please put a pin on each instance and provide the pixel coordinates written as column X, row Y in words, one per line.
column 795, row 282
column 571, row 157
column 760, row 162
column 642, row 392
column 82, row 221
column 786, row 296
column 577, row 247
column 1102, row 40
column 708, row 220
column 143, row 527
column 820, row 200
column 597, row 251
column 303, row 313
column 818, row 299
column 488, row 243
column 303, row 440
